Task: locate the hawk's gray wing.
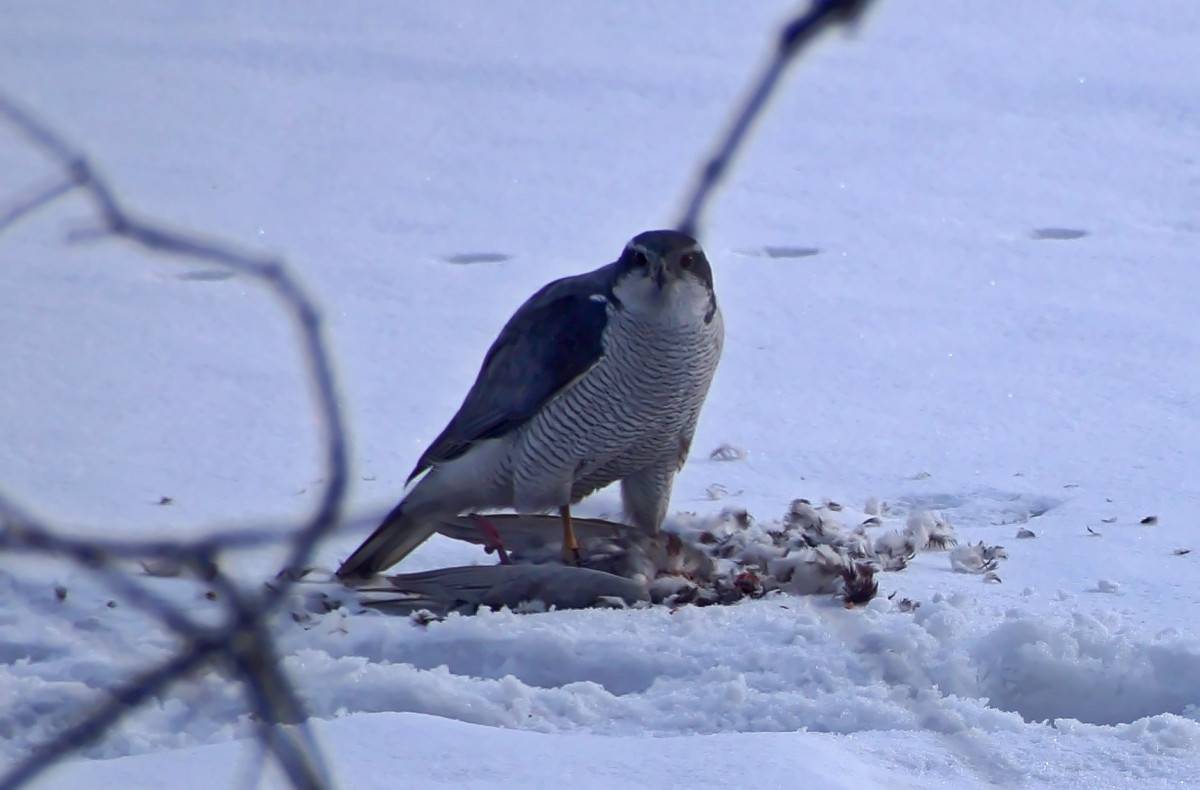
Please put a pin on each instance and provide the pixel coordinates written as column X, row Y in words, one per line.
column 552, row 339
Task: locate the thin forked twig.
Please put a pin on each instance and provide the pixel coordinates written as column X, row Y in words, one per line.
column 117, row 221
column 795, row 36
column 41, row 196
column 16, row 537
column 124, row 700
column 268, row 690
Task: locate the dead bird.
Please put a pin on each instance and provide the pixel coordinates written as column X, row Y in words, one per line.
column 468, row 588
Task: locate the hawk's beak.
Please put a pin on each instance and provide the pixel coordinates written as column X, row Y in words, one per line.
column 658, row 270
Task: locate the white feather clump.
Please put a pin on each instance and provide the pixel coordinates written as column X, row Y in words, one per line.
column 923, row 531
column 809, row 571
column 977, row 558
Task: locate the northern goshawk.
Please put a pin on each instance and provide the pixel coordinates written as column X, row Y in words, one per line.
column 596, row 378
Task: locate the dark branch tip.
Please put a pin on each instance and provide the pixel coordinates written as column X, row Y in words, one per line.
column 79, row 171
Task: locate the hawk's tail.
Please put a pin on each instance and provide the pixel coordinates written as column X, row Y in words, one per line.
column 398, row 534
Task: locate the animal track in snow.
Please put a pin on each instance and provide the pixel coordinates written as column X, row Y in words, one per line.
column 982, row 507
column 205, row 275
column 1057, row 234
column 466, row 258
column 780, row 251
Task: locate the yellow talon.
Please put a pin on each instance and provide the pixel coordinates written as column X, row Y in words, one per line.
column 570, row 545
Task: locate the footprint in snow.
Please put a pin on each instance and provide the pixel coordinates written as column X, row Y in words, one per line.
column 777, row 251
column 205, row 275
column 466, row 258
column 982, row 506
column 1056, row 234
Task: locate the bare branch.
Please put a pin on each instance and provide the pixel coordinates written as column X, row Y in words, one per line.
column 93, row 727
column 21, row 532
column 249, row 649
column 38, row 197
column 270, row 695
column 38, row 133
column 796, row 35
column 21, row 529
column 252, row 773
column 119, row 222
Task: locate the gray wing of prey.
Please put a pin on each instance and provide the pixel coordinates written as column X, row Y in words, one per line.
column 465, row 589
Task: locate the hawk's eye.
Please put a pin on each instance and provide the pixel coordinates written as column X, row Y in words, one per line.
column 686, row 261
column 639, row 258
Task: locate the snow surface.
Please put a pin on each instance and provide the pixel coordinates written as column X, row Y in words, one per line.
column 958, row 270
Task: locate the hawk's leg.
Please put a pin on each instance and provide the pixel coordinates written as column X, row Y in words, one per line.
column 570, row 546
column 493, row 535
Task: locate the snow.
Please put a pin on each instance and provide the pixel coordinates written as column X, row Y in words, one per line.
column 521, row 759
column 957, row 268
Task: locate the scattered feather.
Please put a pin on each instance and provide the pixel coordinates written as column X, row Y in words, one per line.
column 727, row 452
column 738, row 515
column 610, row 602
column 170, row 567
column 893, row 551
column 978, row 558
column 1109, row 520
column 1023, row 533
column 1106, row 586
column 162, row 567
column 668, row 589
column 858, row 584
column 801, row 514
column 1181, row 552
column 1093, row 532
column 917, row 529
column 1149, row 521
column 60, row 592
column 992, row 577
column 940, row 535
column 321, row 603
column 423, row 617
